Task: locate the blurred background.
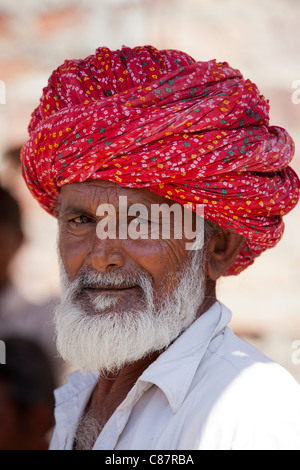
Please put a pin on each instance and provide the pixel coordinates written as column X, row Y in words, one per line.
column 259, row 37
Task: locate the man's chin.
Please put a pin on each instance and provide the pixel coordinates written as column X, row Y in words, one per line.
column 106, row 342
column 110, row 303
column 102, row 304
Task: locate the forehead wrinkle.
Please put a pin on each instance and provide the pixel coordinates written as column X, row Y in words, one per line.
column 88, row 195
column 72, row 197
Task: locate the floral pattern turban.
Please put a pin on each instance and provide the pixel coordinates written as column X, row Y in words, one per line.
column 194, row 132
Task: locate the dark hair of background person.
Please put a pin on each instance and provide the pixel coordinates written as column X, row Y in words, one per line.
column 11, row 233
column 10, row 211
column 26, row 396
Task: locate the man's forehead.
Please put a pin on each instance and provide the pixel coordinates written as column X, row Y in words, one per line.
column 94, row 192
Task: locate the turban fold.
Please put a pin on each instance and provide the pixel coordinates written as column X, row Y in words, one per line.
column 194, row 132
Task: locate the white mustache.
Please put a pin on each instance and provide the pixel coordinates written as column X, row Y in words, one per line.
column 113, row 280
column 110, row 280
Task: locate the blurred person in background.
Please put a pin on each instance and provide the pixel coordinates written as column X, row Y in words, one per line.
column 18, row 315
column 159, row 368
column 26, row 396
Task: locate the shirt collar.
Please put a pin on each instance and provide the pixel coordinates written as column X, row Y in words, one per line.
column 77, row 382
column 185, row 355
column 71, row 399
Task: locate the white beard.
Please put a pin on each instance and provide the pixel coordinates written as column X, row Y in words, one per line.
column 103, row 340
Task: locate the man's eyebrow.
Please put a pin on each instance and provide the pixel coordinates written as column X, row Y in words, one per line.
column 75, row 209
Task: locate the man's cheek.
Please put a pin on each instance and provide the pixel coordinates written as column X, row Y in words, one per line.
column 73, row 257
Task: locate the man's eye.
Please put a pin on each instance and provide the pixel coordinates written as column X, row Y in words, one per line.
column 140, row 220
column 81, row 220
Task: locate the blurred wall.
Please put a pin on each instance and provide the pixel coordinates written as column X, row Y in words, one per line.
column 259, row 37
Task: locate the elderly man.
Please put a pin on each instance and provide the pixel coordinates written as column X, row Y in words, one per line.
column 116, row 135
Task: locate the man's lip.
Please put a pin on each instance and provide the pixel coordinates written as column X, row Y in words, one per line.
column 107, row 290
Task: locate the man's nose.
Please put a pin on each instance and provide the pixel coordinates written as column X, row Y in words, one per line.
column 106, row 254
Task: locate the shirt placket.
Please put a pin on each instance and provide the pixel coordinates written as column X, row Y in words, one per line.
column 109, row 437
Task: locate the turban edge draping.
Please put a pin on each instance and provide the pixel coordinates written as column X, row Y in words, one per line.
column 194, row 132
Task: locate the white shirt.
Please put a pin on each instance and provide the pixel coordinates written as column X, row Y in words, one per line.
column 208, row 390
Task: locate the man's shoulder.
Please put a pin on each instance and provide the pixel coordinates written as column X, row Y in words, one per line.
column 255, row 399
column 238, row 359
column 235, row 353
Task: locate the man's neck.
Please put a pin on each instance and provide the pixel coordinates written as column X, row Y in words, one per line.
column 209, row 299
column 112, row 389
column 107, row 395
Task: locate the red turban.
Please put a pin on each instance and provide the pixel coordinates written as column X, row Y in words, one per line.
column 194, row 132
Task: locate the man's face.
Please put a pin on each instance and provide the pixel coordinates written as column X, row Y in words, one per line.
column 81, row 250
column 123, row 281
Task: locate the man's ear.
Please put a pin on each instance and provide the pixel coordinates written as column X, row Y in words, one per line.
column 222, row 250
